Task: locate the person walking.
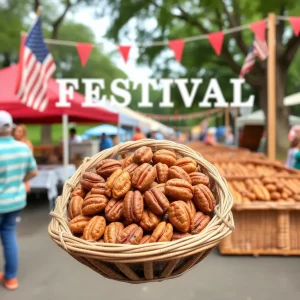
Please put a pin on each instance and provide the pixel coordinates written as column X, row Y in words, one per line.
column 290, row 161
column 138, row 135
column 106, row 142
column 20, row 134
column 17, row 165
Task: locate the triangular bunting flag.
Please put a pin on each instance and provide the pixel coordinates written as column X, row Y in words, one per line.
column 84, row 51
column 177, row 47
column 216, row 40
column 124, row 50
column 295, row 23
column 259, row 29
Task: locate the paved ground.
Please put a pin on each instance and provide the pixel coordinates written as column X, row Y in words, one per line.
column 47, row 272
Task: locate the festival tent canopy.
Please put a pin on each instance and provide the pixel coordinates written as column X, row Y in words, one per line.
column 292, row 100
column 258, row 118
column 52, row 114
column 105, row 128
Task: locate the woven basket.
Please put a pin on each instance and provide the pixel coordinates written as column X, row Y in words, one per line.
column 147, row 262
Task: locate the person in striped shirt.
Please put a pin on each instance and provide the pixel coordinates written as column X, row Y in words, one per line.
column 17, row 165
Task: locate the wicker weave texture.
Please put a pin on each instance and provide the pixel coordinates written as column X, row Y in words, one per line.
column 147, row 262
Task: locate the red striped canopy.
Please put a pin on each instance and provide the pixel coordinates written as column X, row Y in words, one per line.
column 53, row 114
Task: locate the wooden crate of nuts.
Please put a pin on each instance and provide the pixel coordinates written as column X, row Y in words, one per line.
column 267, row 217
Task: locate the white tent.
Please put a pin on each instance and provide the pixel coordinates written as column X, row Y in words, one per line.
column 292, row 100
column 258, row 118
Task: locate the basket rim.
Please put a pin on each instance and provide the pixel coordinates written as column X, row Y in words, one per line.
column 221, row 225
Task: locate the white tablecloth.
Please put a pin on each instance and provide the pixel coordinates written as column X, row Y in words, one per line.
column 49, row 176
column 59, row 170
column 46, row 179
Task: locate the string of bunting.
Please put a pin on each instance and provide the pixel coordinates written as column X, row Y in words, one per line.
column 179, row 117
column 216, row 40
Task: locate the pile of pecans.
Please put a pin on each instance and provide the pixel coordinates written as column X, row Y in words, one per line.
column 144, row 198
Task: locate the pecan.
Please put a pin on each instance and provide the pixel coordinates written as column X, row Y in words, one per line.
column 200, row 222
column 133, row 206
column 94, row 204
column 127, row 161
column 78, row 224
column 95, row 228
column 145, row 239
column 114, row 210
column 107, row 166
column 203, row 198
column 149, row 220
column 98, row 189
column 162, row 171
column 131, row 168
column 118, row 184
column 75, row 207
column 153, row 184
column 156, row 201
column 132, row 234
column 162, row 233
column 143, row 177
column 165, row 157
column 143, row 155
column 179, row 235
column 179, row 189
column 180, row 216
column 79, row 191
column 160, row 187
column 112, row 232
column 187, row 164
column 89, row 179
column 199, row 178
column 191, row 207
column 177, row 172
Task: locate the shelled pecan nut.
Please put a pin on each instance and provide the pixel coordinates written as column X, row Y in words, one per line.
column 132, row 234
column 187, row 164
column 179, row 189
column 149, row 220
column 114, row 210
column 127, row 161
column 160, row 187
column 98, row 189
column 156, row 201
column 112, row 231
column 165, row 157
column 107, row 166
column 199, row 178
column 145, row 239
column 131, row 168
column 94, row 204
column 78, row 224
column 200, row 222
column 162, row 172
column 143, row 155
column 75, row 207
column 79, row 191
column 191, row 207
column 179, row 235
column 177, row 172
column 203, row 198
column 143, row 177
column 162, row 233
column 95, row 228
column 180, row 216
column 118, row 184
column 89, row 179
column 133, row 206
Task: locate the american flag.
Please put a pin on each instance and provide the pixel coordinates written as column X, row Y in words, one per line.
column 260, row 49
column 37, row 66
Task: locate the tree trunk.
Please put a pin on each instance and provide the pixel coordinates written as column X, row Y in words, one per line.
column 46, row 135
column 282, row 112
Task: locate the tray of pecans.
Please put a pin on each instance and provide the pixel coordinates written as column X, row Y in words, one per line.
column 149, row 216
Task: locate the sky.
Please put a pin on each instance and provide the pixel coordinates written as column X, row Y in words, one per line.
column 99, row 27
